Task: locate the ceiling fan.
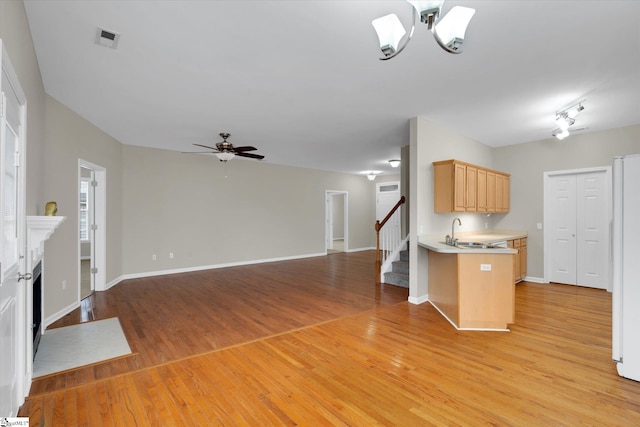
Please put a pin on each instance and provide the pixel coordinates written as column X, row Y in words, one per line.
column 225, row 150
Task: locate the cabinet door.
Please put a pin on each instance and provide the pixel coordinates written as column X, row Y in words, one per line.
column 499, row 192
column 471, row 188
column 514, row 257
column 516, row 265
column 481, row 192
column 459, row 188
column 491, row 191
column 506, row 193
column 523, row 257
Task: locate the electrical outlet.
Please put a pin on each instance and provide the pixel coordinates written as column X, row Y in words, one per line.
column 486, row 225
column 539, row 226
column 170, row 255
column 64, row 284
column 153, row 257
column 485, row 267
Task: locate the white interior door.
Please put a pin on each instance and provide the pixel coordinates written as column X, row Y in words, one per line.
column 563, row 229
column 578, row 211
column 98, row 231
column 592, row 230
column 13, row 322
column 86, row 230
column 329, row 221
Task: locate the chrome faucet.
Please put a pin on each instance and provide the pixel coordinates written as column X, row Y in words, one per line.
column 451, row 240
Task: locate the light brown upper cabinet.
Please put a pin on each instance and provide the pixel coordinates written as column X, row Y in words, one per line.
column 481, row 197
column 464, row 187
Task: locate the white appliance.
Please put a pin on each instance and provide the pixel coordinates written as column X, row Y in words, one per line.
column 626, row 265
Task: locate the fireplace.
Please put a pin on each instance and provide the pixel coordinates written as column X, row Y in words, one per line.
column 36, row 325
column 39, row 229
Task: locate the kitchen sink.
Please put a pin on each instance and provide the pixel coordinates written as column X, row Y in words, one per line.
column 474, row 245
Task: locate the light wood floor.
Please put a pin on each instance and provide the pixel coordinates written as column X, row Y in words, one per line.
column 315, row 342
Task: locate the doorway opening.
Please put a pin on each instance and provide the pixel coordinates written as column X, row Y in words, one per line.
column 86, row 218
column 336, row 224
column 387, row 195
column 91, row 228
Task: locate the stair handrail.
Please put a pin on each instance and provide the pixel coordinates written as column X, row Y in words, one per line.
column 378, row 227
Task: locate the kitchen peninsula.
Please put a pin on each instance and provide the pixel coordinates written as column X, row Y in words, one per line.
column 473, row 285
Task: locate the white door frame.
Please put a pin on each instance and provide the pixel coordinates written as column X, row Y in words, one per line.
column 100, row 216
column 328, row 223
column 547, row 176
column 21, row 370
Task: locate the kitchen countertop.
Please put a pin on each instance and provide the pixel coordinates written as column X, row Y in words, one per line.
column 434, row 242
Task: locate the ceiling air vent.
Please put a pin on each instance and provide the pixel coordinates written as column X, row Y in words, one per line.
column 107, row 38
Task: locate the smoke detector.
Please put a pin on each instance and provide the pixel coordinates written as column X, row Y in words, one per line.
column 107, row 38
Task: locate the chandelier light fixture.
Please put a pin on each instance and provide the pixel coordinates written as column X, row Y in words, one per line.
column 565, row 119
column 448, row 32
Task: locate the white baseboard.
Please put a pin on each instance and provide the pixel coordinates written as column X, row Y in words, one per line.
column 207, row 267
column 361, row 249
column 55, row 316
column 534, row 279
column 418, row 300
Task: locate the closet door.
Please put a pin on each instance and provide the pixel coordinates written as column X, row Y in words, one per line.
column 563, row 229
column 592, row 243
column 578, row 206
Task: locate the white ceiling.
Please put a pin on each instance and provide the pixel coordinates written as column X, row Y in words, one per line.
column 301, row 80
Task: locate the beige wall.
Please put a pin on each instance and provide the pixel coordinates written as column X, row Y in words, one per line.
column 183, row 204
column 70, row 138
column 527, row 164
column 16, row 38
column 431, row 142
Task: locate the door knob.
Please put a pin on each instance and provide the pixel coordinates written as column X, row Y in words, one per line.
column 26, row 276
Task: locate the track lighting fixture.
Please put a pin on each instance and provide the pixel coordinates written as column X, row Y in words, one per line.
column 448, row 32
column 565, row 119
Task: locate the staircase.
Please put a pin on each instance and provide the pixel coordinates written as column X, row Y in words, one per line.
column 399, row 274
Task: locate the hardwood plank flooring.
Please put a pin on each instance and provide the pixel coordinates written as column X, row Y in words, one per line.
column 170, row 317
column 364, row 356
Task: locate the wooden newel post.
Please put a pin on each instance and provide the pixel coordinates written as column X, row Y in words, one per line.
column 378, row 254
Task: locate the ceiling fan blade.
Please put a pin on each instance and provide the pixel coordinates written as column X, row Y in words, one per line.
column 245, row 148
column 206, row 146
column 251, row 156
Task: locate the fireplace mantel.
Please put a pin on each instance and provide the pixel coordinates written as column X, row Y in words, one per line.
column 39, row 229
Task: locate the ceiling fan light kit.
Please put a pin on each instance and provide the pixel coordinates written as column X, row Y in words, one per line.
column 226, row 151
column 448, row 32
